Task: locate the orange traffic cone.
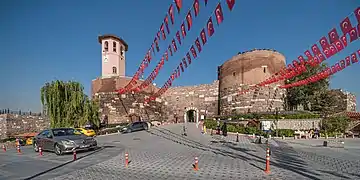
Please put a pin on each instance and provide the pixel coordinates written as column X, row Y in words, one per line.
column 74, row 155
column 126, row 159
column 196, row 164
column 267, row 168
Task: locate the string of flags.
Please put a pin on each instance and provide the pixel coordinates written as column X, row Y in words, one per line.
column 174, row 46
column 199, row 43
column 160, row 35
column 330, row 47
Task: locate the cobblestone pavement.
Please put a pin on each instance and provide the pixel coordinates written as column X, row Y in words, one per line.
column 163, row 153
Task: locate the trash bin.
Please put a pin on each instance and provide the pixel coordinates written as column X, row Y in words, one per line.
column 325, row 143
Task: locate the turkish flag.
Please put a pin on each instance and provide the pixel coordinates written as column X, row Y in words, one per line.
column 219, row 14
column 338, row 67
column 188, row 57
column 184, row 62
column 169, row 48
column 295, row 63
column 342, row 64
column 149, row 57
column 174, row 45
column 210, row 27
column 316, row 61
column 357, row 14
column 301, row 59
column 353, row 34
column 181, row 66
column 324, row 43
column 157, row 44
column 344, row 40
column 339, row 45
column 321, row 57
column 178, row 4
column 315, row 49
column 348, row 61
column 171, row 13
column 173, row 76
column 308, row 55
column 163, row 31
column 203, row 36
column 193, row 51
column 230, row 4
column 346, row 25
column 354, row 58
column 189, row 20
column 166, row 21
column 333, row 35
column 183, row 30
column 196, row 7
column 166, row 55
column 197, row 43
column 178, row 37
column 327, row 53
column 178, row 71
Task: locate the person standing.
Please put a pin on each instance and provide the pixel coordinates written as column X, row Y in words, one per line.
column 224, row 129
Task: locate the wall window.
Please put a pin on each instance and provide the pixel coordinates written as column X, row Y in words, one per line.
column 106, row 46
column 114, row 46
column 234, row 73
column 121, row 50
column 114, row 70
column 264, row 69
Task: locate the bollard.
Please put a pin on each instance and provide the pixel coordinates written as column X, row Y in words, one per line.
column 40, row 151
column 74, row 155
column 126, row 159
column 4, row 147
column 196, row 164
column 267, row 167
column 253, row 135
column 237, row 137
column 283, row 137
column 211, row 132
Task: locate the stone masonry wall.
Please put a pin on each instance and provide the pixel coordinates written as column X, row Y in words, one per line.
column 11, row 124
column 299, row 124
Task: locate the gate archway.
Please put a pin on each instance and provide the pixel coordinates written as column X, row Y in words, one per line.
column 192, row 111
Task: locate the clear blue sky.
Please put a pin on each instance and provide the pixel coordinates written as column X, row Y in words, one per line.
column 45, row 40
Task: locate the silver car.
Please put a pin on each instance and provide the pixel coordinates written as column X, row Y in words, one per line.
column 63, row 140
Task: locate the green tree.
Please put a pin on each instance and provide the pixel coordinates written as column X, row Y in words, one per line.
column 67, row 105
column 303, row 95
column 336, row 124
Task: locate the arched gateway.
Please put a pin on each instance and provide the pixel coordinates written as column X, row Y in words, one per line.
column 191, row 114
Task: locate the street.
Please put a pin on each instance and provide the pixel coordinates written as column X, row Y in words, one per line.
column 163, row 153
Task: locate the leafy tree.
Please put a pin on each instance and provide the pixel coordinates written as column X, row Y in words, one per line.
column 67, row 105
column 336, row 124
column 303, row 95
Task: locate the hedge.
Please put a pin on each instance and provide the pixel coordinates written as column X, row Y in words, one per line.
column 272, row 116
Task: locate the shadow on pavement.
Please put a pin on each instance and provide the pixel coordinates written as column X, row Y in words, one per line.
column 68, row 162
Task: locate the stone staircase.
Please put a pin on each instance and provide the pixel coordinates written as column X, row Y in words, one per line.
column 353, row 127
column 272, row 102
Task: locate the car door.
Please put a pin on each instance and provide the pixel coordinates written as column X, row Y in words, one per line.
column 46, row 140
column 136, row 126
column 39, row 139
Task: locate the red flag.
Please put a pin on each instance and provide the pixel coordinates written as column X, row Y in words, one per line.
column 171, row 13
column 189, row 20
column 178, row 37
column 315, row 49
column 178, row 71
column 339, row 45
column 163, row 31
column 166, row 21
column 333, row 35
column 357, row 14
column 327, row 53
column 152, row 47
column 169, row 48
column 321, row 57
column 308, row 54
column 196, row 7
column 324, row 43
column 344, row 40
column 183, row 31
column 210, row 27
column 184, row 62
column 166, row 55
column 342, row 64
column 230, row 4
column 354, row 58
column 157, row 44
column 358, row 51
column 174, row 45
column 348, row 61
column 353, row 35
column 193, row 51
column 301, row 59
column 198, row 45
column 203, row 36
column 158, row 35
column 219, row 14
column 333, row 49
column 346, row 25
column 338, row 67
column 188, row 57
column 182, row 68
column 173, row 76
column 178, row 4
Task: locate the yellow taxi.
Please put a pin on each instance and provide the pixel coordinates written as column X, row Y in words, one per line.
column 87, row 131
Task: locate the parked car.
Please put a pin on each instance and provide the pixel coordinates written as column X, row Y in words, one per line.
column 87, row 131
column 135, row 126
column 63, row 140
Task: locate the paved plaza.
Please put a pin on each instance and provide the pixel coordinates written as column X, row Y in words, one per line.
column 163, row 153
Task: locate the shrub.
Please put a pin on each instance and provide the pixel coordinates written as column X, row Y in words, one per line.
column 284, row 132
column 231, row 128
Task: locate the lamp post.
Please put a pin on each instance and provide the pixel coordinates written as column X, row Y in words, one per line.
column 277, row 120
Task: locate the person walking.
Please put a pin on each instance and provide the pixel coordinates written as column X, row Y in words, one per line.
column 224, row 129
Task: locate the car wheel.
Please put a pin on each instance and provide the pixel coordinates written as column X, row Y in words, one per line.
column 58, row 150
column 128, row 130
column 146, row 128
column 36, row 147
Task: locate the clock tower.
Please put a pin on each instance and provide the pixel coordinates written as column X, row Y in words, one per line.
column 113, row 51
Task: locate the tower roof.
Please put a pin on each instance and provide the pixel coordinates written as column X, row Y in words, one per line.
column 111, row 36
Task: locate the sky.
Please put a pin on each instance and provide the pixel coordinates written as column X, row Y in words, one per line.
column 45, row 40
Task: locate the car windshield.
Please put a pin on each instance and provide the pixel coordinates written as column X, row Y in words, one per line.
column 65, row 132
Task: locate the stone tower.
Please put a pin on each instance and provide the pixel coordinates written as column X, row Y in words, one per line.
column 113, row 59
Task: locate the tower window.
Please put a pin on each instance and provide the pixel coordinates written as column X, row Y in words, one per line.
column 114, row 70
column 264, row 69
column 114, row 46
column 121, row 50
column 106, row 46
column 234, row 73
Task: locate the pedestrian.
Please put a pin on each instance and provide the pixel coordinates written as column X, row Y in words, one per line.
column 224, row 129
